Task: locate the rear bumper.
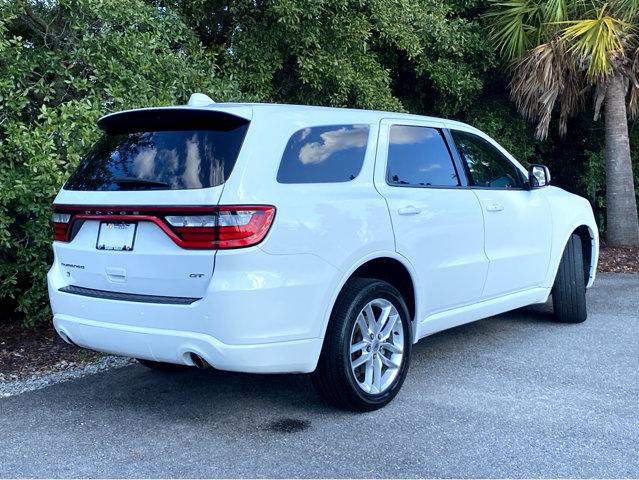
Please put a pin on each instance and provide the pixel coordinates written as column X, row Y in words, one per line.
column 261, row 313
column 174, row 346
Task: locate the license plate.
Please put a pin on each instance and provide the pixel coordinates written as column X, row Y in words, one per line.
column 116, row 236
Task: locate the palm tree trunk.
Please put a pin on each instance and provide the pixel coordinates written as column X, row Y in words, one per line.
column 621, row 205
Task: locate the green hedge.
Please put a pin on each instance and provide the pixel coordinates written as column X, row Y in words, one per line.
column 62, row 70
column 64, row 63
column 67, row 62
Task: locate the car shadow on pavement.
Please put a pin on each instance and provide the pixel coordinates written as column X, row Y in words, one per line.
column 194, row 394
column 513, row 395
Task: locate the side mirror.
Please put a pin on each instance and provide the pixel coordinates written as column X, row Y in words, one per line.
column 538, row 176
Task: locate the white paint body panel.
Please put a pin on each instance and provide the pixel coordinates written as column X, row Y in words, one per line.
column 266, row 308
column 443, row 240
column 517, row 235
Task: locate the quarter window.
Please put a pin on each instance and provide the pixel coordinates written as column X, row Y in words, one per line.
column 486, row 166
column 419, row 156
column 325, row 154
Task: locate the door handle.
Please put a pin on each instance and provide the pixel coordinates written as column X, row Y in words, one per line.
column 494, row 207
column 409, row 210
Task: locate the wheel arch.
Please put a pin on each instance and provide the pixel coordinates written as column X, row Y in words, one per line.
column 589, row 243
column 387, row 266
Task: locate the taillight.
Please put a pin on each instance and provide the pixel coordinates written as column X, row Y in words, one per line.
column 189, row 227
column 60, row 225
column 228, row 227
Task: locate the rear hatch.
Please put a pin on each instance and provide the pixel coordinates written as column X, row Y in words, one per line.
column 137, row 215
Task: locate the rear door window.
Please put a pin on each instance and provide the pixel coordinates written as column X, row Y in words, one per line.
column 160, row 159
column 326, row 154
column 418, row 156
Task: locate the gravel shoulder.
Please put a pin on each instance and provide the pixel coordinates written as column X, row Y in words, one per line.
column 63, row 371
column 31, row 359
column 30, row 352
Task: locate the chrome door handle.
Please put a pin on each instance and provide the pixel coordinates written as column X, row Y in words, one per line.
column 409, row 210
column 494, row 207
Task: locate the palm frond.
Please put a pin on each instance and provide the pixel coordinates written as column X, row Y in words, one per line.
column 600, row 96
column 625, row 9
column 634, row 70
column 633, row 102
column 514, row 26
column 544, row 76
column 562, row 49
column 555, row 10
column 597, row 41
column 572, row 96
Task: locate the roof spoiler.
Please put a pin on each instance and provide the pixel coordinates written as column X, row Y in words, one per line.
column 170, row 118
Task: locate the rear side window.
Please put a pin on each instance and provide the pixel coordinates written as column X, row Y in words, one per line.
column 325, row 154
column 162, row 159
column 419, row 156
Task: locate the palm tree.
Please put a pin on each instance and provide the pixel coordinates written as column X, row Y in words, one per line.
column 563, row 51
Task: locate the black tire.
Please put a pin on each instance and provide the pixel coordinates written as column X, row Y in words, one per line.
column 162, row 366
column 569, row 289
column 333, row 378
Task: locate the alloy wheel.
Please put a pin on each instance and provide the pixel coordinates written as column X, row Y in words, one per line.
column 377, row 346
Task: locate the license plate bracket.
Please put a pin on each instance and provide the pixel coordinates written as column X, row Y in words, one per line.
column 116, row 236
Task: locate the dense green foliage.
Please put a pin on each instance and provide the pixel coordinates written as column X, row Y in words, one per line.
column 61, row 70
column 420, row 55
column 67, row 62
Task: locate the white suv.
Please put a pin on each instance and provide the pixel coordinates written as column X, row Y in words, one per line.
column 278, row 238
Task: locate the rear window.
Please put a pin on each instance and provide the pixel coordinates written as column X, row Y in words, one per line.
column 160, row 158
column 327, row 154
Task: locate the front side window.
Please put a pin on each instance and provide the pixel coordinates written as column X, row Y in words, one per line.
column 327, row 154
column 419, row 156
column 486, row 166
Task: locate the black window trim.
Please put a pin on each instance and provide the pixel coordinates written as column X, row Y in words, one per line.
column 461, row 173
column 524, row 181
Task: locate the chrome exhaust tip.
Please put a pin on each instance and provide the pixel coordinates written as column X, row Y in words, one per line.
column 64, row 336
column 199, row 362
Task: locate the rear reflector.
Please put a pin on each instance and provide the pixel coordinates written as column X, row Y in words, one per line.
column 60, row 223
column 189, row 227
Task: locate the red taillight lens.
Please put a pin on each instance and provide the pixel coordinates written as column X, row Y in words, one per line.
column 60, row 226
column 228, row 227
column 189, row 227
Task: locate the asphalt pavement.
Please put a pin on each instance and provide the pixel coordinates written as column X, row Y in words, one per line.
column 516, row 395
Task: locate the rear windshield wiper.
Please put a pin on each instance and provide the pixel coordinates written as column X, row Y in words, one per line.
column 138, row 182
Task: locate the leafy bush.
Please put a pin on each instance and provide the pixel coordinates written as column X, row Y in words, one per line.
column 502, row 122
column 424, row 56
column 67, row 62
column 63, row 66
